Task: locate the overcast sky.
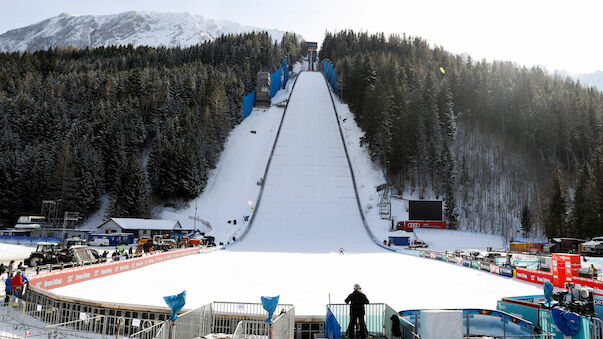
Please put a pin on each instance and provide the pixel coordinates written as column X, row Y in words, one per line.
column 555, row 34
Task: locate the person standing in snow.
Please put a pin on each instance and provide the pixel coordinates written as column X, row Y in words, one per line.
column 341, row 250
column 17, row 285
column 2, row 269
column 10, row 267
column 8, row 288
column 396, row 332
column 357, row 300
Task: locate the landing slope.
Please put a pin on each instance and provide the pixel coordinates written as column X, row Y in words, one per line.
column 308, row 203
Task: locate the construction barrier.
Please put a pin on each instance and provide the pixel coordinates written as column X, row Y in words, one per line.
column 55, row 279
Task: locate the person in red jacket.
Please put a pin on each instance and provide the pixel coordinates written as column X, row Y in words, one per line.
column 17, row 285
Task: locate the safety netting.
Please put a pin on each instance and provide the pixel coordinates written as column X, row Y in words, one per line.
column 275, row 81
column 331, row 75
column 248, row 102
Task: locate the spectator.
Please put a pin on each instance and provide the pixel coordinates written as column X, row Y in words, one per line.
column 396, row 333
column 2, row 269
column 8, row 289
column 357, row 300
column 17, row 285
column 11, row 264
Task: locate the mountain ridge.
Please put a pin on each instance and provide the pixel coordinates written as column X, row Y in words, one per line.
column 139, row 28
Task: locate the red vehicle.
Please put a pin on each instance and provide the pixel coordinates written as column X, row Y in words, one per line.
column 536, row 248
column 409, row 225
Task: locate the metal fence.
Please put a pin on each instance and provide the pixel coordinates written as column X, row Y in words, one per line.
column 375, row 318
column 597, row 328
column 224, row 318
column 499, row 325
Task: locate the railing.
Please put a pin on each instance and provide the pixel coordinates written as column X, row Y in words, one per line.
column 252, row 328
column 479, row 323
column 375, row 318
column 597, row 328
column 284, row 325
column 93, row 327
column 408, row 329
column 224, row 317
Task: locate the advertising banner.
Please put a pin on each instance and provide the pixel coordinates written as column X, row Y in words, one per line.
column 494, row 269
column 55, row 279
column 596, row 285
column 538, row 277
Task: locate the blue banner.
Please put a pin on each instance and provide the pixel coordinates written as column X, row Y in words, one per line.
column 285, row 74
column 176, row 303
column 269, row 304
column 248, row 102
column 275, row 82
column 333, row 329
column 330, row 75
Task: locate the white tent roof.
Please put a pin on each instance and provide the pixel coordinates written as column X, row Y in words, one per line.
column 146, row 224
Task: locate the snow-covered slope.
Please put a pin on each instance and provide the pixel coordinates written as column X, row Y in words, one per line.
column 136, row 28
column 308, row 203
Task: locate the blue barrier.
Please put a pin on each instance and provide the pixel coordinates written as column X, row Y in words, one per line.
column 248, row 102
column 278, row 80
column 285, row 73
column 275, row 82
column 331, row 75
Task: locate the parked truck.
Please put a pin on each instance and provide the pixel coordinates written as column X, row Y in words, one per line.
column 593, row 247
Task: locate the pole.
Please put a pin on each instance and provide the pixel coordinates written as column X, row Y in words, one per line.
column 195, row 227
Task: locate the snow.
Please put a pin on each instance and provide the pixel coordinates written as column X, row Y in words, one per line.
column 233, row 183
column 307, row 212
column 305, row 280
column 143, row 28
column 17, row 253
column 308, row 192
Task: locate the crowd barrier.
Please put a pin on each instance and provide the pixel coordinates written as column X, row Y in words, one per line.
column 278, row 80
column 55, row 279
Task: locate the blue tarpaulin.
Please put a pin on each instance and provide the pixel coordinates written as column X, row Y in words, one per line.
column 548, row 293
column 330, row 75
column 333, row 329
column 269, row 304
column 248, row 102
column 567, row 322
column 275, row 82
column 176, row 303
column 285, row 73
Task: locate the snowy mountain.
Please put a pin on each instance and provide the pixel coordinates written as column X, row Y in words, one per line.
column 588, row 79
column 136, row 28
column 592, row 79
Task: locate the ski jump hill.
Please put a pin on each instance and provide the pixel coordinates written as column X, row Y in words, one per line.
column 308, row 202
column 306, row 210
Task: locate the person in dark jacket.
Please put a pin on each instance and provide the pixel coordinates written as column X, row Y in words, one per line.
column 8, row 288
column 2, row 268
column 396, row 333
column 357, row 300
